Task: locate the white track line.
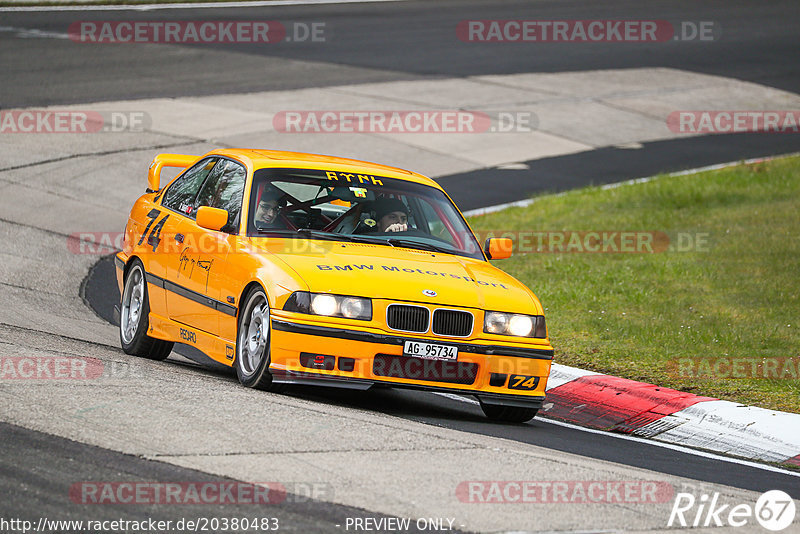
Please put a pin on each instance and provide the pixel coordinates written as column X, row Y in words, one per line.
column 678, row 448
column 26, row 33
column 187, row 5
column 527, row 202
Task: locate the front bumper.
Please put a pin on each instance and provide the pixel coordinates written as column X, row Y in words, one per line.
column 315, row 354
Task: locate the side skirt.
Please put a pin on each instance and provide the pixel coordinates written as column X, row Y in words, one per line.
column 217, row 349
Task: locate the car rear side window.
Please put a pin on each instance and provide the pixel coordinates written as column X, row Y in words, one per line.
column 182, row 193
column 224, row 189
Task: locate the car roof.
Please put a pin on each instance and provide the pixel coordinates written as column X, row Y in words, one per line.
column 260, row 159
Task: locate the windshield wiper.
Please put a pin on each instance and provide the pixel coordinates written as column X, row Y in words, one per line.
column 305, row 232
column 410, row 243
column 321, row 234
column 311, row 233
column 394, row 242
column 332, row 236
column 371, row 240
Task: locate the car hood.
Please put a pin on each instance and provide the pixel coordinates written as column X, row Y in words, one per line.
column 396, row 273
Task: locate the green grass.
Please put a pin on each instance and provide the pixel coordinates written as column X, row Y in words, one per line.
column 633, row 315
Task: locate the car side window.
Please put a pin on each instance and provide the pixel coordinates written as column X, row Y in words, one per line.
column 435, row 225
column 224, row 189
column 181, row 194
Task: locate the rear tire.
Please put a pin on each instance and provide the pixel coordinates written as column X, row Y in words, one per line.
column 134, row 318
column 508, row 414
column 253, row 343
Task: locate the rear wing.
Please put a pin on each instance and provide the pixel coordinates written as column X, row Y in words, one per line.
column 165, row 160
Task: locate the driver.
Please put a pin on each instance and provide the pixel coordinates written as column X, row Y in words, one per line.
column 268, row 208
column 391, row 215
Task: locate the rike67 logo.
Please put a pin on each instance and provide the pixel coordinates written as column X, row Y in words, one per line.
column 774, row 510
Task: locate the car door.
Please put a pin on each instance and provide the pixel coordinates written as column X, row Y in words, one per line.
column 155, row 244
column 197, row 269
column 177, row 204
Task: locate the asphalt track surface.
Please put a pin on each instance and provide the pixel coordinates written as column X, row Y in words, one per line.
column 99, row 291
column 387, row 42
column 610, row 165
column 48, row 487
column 392, row 41
column 384, row 42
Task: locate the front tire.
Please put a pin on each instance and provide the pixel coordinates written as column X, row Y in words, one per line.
column 134, row 319
column 253, row 343
column 508, row 414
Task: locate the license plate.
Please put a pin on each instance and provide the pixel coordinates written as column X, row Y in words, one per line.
column 430, row 351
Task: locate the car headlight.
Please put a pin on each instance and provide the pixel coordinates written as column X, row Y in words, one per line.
column 354, row 307
column 329, row 305
column 514, row 324
column 323, row 304
column 520, row 325
column 495, row 323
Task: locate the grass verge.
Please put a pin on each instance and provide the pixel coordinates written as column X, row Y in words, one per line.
column 694, row 320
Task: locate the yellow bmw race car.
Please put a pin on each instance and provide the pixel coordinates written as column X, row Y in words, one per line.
column 305, row 269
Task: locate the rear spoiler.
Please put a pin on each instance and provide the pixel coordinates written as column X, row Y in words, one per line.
column 165, row 160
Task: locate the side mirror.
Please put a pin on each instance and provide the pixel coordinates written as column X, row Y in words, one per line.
column 498, row 248
column 211, row 218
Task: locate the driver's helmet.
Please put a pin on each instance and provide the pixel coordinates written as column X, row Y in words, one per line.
column 385, row 205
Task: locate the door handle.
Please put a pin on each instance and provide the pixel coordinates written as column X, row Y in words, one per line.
column 179, row 238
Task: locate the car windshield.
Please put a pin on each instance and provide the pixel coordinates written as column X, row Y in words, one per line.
column 303, row 203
